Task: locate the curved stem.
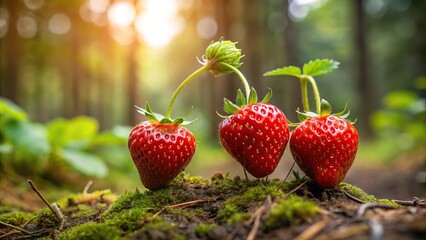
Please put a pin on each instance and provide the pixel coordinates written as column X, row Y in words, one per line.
column 317, row 97
column 305, row 99
column 243, row 79
column 186, row 81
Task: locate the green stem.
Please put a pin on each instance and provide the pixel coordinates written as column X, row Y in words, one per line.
column 317, row 97
column 186, row 81
column 304, row 88
column 243, row 79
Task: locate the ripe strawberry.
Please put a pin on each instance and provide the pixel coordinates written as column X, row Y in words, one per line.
column 255, row 134
column 324, row 147
column 160, row 151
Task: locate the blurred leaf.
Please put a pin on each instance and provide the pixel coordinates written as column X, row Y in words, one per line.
column 85, row 163
column 75, row 133
column 11, row 110
column 6, row 148
column 27, row 138
column 290, row 71
column 400, row 100
column 319, row 67
column 385, row 119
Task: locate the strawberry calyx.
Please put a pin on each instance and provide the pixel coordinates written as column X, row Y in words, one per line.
column 156, row 117
column 241, row 101
column 325, row 111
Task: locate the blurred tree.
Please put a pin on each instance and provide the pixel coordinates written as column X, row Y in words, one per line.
column 367, row 92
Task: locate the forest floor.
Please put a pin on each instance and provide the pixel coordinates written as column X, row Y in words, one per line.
column 221, row 207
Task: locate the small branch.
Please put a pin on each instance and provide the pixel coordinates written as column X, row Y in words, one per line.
column 256, row 218
column 296, row 188
column 56, row 211
column 86, row 188
column 185, row 204
column 414, row 203
column 353, row 197
column 288, row 174
column 311, row 231
column 363, row 208
column 16, row 228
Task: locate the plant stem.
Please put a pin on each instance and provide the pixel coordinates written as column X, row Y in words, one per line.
column 304, row 88
column 242, row 78
column 186, row 81
column 311, row 80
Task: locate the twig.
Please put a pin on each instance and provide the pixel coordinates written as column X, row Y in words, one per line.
column 288, row 174
column 363, row 208
column 256, row 218
column 16, row 228
column 86, row 188
column 185, row 204
column 310, row 232
column 353, row 197
column 245, row 174
column 55, row 211
column 415, row 202
column 296, row 188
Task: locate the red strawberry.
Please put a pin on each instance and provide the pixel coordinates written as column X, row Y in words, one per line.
column 256, row 136
column 324, row 147
column 160, row 151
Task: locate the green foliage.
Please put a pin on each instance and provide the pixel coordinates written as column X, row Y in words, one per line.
column 202, row 230
column 399, row 125
column 76, row 142
column 312, row 68
column 291, row 211
column 14, row 218
column 89, row 231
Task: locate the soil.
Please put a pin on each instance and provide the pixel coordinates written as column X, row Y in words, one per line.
column 224, row 208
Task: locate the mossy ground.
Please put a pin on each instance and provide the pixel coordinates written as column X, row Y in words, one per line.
column 217, row 208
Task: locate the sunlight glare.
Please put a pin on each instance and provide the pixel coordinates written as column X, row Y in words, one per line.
column 159, row 23
column 121, row 13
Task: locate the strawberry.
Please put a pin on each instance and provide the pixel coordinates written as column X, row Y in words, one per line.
column 256, row 136
column 160, row 151
column 161, row 148
column 324, row 147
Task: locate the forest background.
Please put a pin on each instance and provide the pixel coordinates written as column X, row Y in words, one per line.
column 71, row 73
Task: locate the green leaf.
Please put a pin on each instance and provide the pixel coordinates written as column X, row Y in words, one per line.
column 305, row 115
column 229, row 107
column 148, row 108
column 27, row 138
column 184, row 123
column 85, row 163
column 178, row 120
column 165, row 121
column 319, row 67
column 252, row 96
column 241, row 100
column 290, row 71
column 77, row 132
column 267, row 96
column 11, row 110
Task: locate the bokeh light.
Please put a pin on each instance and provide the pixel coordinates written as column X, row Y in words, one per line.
column 4, row 18
column 121, row 13
column 26, row 26
column 207, row 27
column 59, row 24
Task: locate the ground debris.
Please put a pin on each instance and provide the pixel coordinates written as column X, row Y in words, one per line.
column 225, row 208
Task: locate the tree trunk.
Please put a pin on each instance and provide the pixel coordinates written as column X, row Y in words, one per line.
column 365, row 85
column 12, row 43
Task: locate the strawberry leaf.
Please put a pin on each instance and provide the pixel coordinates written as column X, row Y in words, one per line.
column 290, row 71
column 230, row 107
column 178, row 120
column 241, row 100
column 165, row 121
column 267, row 96
column 319, row 67
column 252, row 96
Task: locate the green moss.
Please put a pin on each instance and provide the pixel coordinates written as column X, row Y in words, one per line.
column 291, row 211
column 46, row 219
column 188, row 179
column 357, row 192
column 388, row 202
column 87, row 198
column 14, row 218
column 203, row 230
column 83, row 211
column 90, row 231
column 127, row 220
column 158, row 228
